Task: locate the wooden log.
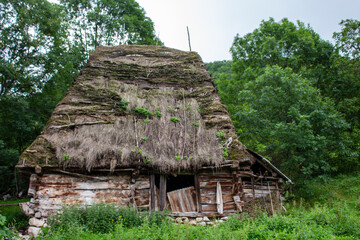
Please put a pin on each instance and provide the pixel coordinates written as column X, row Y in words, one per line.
column 152, row 189
column 253, row 187
column 198, row 195
column 162, row 192
column 219, row 199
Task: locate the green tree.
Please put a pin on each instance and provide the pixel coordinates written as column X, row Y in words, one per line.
column 109, row 22
column 284, row 44
column 283, row 117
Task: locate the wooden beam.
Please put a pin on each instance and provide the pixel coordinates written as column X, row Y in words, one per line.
column 198, row 196
column 162, row 192
column 152, row 192
column 253, row 186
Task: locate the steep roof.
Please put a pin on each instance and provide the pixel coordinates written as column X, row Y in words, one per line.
column 134, row 105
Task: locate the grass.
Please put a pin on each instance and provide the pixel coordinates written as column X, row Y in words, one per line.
column 323, row 221
column 15, row 217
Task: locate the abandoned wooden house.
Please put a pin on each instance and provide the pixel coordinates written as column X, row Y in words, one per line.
column 143, row 126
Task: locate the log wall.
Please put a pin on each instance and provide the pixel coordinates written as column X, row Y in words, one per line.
column 51, row 191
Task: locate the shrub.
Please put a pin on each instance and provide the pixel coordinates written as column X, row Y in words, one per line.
column 5, row 232
column 142, row 112
column 175, row 119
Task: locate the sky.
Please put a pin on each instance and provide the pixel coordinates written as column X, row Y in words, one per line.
column 213, row 24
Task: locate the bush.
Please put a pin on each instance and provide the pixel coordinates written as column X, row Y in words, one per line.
column 5, row 232
column 101, row 218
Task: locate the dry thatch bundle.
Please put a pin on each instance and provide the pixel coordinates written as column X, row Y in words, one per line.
column 147, row 106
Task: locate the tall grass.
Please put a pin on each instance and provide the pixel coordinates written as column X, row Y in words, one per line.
column 322, row 221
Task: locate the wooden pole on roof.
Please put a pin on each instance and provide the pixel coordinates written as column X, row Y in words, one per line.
column 188, row 37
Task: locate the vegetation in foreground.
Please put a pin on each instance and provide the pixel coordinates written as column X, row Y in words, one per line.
column 326, row 221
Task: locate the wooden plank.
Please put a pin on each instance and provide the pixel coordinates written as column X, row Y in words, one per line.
column 214, row 184
column 213, row 207
column 219, row 199
column 182, row 200
column 152, row 189
column 210, row 178
column 198, row 195
column 212, row 199
column 252, row 186
column 162, row 192
column 212, row 191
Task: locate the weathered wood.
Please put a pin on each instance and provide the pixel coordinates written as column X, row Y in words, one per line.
column 152, row 189
column 214, row 184
column 212, row 191
column 198, row 195
column 272, row 206
column 72, row 125
column 78, row 174
column 182, row 200
column 206, row 199
column 239, row 204
column 219, row 199
column 162, row 192
column 213, row 207
column 253, row 187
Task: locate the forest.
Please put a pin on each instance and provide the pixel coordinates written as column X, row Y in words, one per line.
column 292, row 96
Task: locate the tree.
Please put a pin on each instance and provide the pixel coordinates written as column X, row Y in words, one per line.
column 109, row 22
column 284, row 44
column 283, row 117
column 29, row 30
column 348, row 40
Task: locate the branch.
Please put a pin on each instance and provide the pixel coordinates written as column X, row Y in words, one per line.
column 72, row 125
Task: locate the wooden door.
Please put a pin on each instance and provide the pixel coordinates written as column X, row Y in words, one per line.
column 183, row 200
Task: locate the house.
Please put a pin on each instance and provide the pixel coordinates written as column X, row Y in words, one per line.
column 143, row 126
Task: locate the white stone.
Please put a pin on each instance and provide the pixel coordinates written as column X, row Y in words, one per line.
column 192, row 222
column 198, row 219
column 36, row 222
column 185, row 220
column 220, row 221
column 38, row 214
column 210, row 223
column 34, row 231
column 224, row 218
column 206, row 219
column 203, row 223
column 178, row 220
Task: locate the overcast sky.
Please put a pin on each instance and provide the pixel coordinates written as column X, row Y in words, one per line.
column 213, row 24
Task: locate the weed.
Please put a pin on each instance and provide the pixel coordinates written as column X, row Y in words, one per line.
column 178, row 158
column 144, row 138
column 225, row 152
column 195, row 124
column 146, row 120
column 142, row 112
column 187, row 107
column 175, row 119
column 147, row 160
column 220, row 135
column 158, row 114
column 66, row 157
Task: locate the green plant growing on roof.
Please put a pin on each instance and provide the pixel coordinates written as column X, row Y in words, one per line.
column 142, row 112
column 220, row 135
column 175, row 119
column 196, row 124
column 188, row 107
column 66, row 157
column 158, row 114
column 124, row 104
column 225, row 152
column 147, row 160
column 139, row 152
column 178, row 158
column 146, row 120
column 144, row 138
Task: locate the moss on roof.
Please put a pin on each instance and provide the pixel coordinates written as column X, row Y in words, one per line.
column 134, row 105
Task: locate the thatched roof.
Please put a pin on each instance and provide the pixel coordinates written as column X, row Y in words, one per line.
column 148, row 106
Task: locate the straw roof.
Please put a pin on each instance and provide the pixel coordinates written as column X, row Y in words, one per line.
column 131, row 105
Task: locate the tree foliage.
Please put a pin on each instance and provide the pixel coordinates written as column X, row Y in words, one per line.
column 43, row 46
column 295, row 97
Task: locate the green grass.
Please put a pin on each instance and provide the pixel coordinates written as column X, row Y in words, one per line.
column 322, row 221
column 14, row 216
